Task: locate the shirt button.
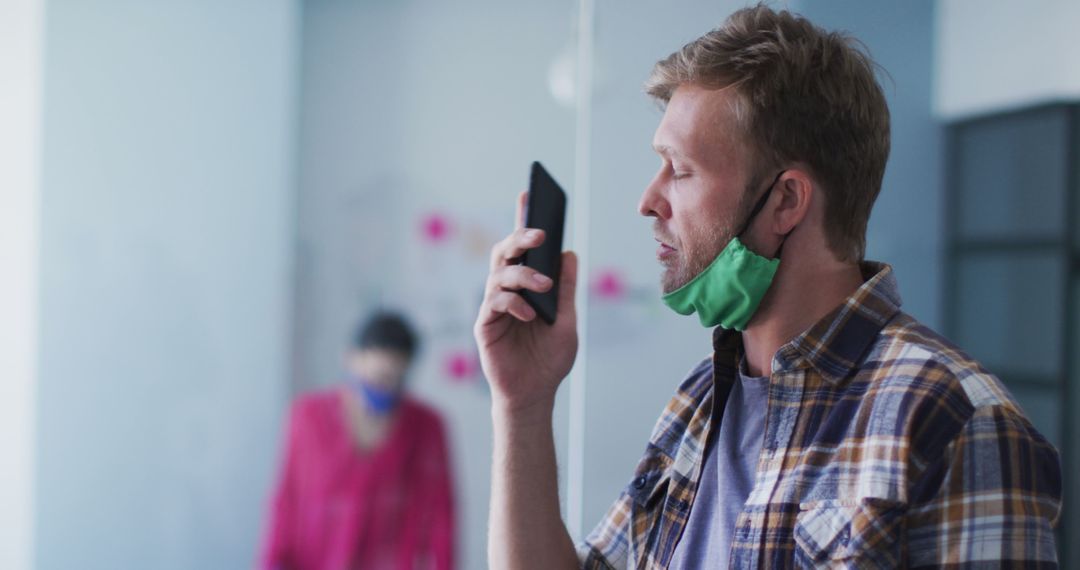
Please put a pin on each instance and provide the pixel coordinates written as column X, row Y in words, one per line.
column 639, row 482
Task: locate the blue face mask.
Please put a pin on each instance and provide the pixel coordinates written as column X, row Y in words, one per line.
column 379, row 400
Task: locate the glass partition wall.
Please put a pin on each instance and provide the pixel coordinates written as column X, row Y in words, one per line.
column 418, row 123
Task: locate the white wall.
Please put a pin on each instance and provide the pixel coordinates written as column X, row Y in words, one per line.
column 993, row 56
column 419, row 107
column 165, row 275
column 20, row 135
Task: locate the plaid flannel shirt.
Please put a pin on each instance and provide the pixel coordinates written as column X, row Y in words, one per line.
column 884, row 446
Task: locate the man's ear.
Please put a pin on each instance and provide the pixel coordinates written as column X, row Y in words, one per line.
column 795, row 190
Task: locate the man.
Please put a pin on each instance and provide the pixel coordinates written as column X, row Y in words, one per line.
column 365, row 481
column 828, row 428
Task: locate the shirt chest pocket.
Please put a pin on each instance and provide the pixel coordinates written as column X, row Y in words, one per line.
column 650, row 483
column 867, row 533
column 648, row 493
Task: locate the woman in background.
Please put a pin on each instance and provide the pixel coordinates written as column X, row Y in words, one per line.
column 365, row 482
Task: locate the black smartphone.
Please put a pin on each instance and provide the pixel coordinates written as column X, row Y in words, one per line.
column 545, row 209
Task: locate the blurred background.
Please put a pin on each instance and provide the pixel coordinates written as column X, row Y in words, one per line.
column 198, row 201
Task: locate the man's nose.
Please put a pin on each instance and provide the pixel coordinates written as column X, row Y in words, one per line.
column 652, row 203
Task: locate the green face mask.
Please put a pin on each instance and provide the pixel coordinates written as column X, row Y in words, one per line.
column 729, row 290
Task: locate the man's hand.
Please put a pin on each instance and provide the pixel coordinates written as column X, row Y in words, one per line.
column 523, row 357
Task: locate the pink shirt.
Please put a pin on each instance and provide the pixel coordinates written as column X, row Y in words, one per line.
column 338, row 507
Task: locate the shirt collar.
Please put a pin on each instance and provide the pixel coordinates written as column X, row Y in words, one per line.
column 838, row 342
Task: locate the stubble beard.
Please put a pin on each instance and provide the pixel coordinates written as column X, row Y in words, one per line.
column 699, row 249
column 700, row 246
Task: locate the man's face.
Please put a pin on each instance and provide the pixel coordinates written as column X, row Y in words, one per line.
column 698, row 195
column 378, row 367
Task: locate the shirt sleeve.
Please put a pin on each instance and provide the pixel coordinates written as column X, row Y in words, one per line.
column 276, row 553
column 608, row 546
column 991, row 499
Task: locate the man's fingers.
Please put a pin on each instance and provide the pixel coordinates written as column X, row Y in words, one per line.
column 519, row 216
column 514, row 245
column 503, row 302
column 506, row 278
column 568, row 283
column 515, row 277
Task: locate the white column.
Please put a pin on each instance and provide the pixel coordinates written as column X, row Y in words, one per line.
column 20, row 126
column 575, row 469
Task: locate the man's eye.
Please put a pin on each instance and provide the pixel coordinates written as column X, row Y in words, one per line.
column 679, row 175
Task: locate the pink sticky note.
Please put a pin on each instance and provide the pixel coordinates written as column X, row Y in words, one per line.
column 436, row 228
column 609, row 284
column 460, row 366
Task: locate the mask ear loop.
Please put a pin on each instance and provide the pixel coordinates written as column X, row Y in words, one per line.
column 760, row 204
column 782, row 241
column 757, row 209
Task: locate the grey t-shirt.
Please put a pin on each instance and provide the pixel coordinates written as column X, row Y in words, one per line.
column 726, row 478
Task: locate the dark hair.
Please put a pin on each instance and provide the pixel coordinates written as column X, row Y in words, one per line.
column 805, row 94
column 386, row 330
